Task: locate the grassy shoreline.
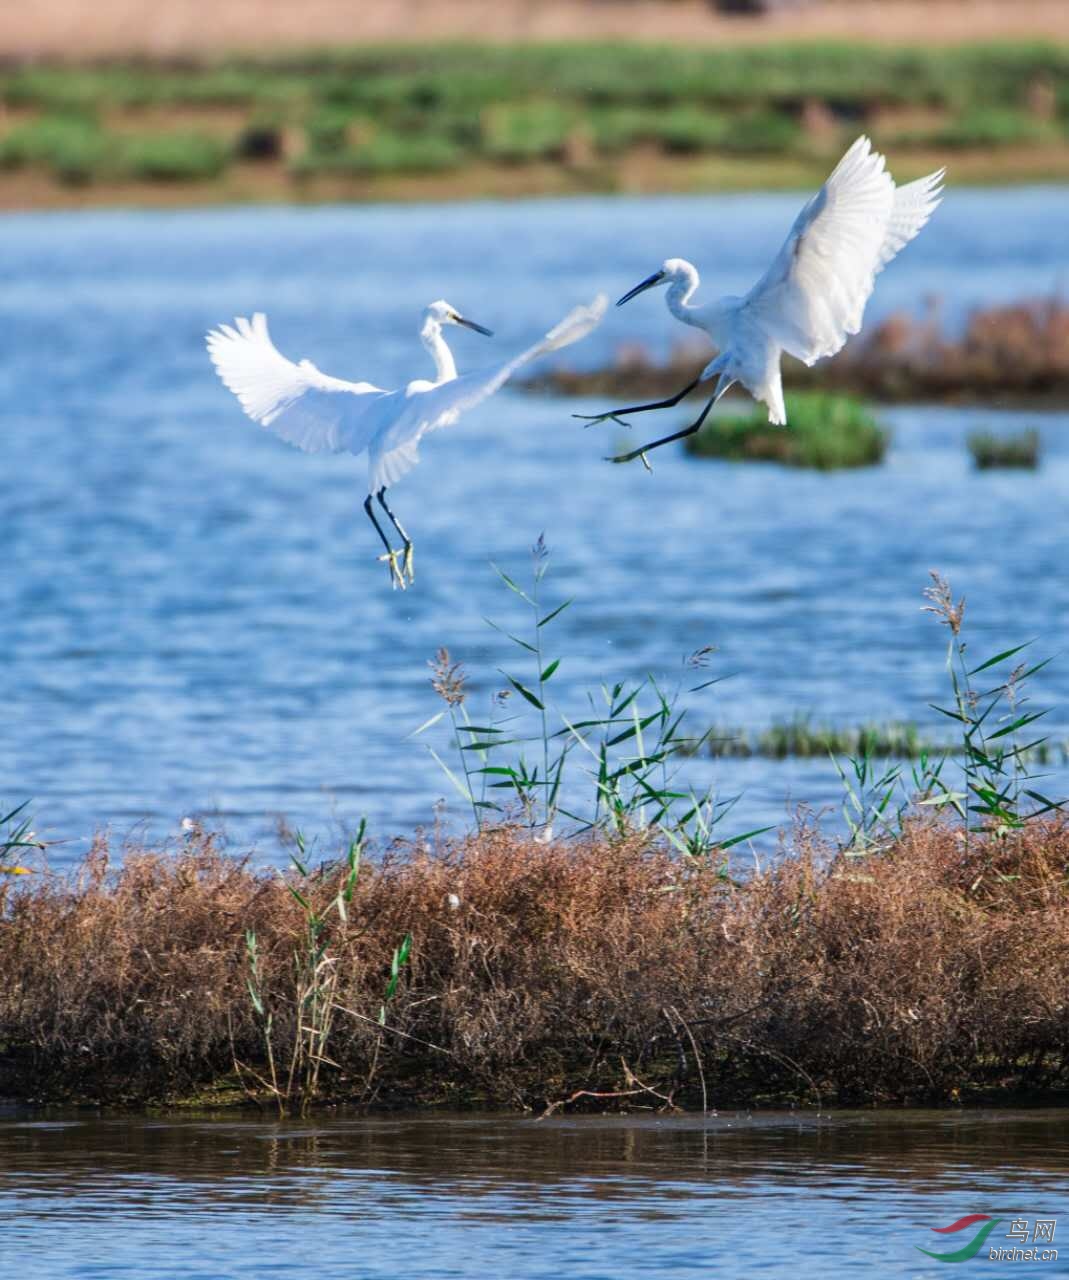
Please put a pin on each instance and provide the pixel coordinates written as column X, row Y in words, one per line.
column 936, row 972
column 637, row 173
column 458, row 121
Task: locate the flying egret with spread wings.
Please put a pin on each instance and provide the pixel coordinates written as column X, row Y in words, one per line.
column 812, row 297
column 318, row 413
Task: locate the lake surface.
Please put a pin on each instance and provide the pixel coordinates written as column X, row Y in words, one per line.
column 192, row 619
column 595, row 1198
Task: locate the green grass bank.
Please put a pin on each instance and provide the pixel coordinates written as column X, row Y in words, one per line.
column 461, row 119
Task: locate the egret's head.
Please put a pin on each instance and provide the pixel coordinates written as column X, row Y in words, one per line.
column 442, row 313
column 671, row 269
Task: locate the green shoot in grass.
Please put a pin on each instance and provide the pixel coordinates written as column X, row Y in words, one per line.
column 311, row 1005
column 398, row 961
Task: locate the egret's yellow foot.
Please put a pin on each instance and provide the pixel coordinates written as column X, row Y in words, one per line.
column 407, row 569
column 592, row 418
column 630, row 457
column 397, row 577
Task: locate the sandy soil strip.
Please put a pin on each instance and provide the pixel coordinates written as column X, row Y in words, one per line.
column 77, row 29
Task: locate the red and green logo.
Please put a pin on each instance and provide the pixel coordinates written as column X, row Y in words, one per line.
column 974, row 1246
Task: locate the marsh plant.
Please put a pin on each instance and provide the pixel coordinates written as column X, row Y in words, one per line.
column 987, row 776
column 826, row 431
column 532, row 759
column 293, row 1077
column 543, row 968
column 611, row 765
column 1018, row 347
column 998, row 791
column 15, row 836
column 801, row 738
column 990, row 450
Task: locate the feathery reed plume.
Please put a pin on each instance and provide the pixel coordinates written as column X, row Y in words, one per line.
column 942, row 602
column 448, row 679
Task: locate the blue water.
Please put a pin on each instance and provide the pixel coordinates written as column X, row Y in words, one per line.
column 610, row 1198
column 192, row 619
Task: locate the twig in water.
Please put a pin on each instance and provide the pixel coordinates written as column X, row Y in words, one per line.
column 619, row 1093
column 697, row 1055
column 631, row 1078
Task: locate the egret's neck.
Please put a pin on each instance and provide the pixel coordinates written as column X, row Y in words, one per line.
column 444, row 364
column 683, row 285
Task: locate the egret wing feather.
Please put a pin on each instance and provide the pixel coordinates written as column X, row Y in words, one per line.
column 298, row 402
column 914, row 205
column 813, row 296
column 469, row 389
column 432, row 406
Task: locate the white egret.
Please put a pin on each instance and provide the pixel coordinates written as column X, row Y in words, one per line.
column 810, row 299
column 318, row 413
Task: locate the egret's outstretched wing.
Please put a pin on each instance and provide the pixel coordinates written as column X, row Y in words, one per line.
column 305, row 407
column 431, row 406
column 814, row 294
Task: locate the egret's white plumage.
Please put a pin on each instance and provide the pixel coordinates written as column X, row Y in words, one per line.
column 318, row 413
column 813, row 296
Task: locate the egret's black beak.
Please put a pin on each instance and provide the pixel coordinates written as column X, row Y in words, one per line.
column 470, row 324
column 648, row 283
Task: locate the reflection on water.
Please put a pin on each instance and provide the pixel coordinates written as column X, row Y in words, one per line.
column 191, row 615
column 500, row 1196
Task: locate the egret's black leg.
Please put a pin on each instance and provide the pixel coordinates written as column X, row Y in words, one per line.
column 722, row 386
column 615, row 415
column 396, row 576
column 407, row 548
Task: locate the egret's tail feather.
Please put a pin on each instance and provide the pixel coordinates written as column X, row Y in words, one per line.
column 754, row 364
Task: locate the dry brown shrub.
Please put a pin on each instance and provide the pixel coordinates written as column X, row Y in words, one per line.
column 538, row 970
column 1020, row 349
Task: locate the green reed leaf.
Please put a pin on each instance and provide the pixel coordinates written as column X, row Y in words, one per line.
column 746, row 835
column 1000, row 657
column 512, row 586
column 523, row 691
column 543, row 622
column 460, row 786
column 509, row 636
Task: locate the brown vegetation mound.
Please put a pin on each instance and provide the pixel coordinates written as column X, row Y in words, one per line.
column 1020, row 349
column 537, row 971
